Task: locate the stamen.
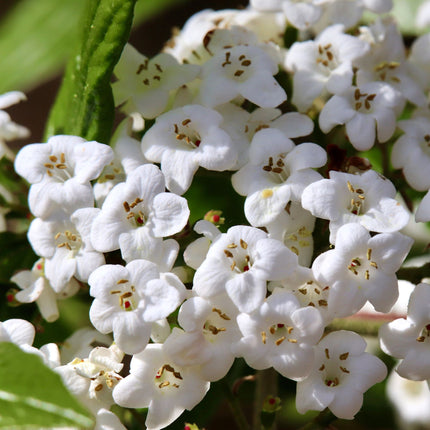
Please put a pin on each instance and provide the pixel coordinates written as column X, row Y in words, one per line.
column 263, row 337
column 280, row 340
column 327, row 354
column 344, row 356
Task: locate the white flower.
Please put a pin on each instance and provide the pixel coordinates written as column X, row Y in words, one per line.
column 241, row 70
column 210, row 329
column 64, row 242
column 423, row 211
column 184, row 139
column 325, row 64
column 36, row 288
column 145, row 84
column 294, row 227
column 411, row 152
column 386, row 61
column 129, row 299
column 368, row 112
column 128, row 156
column 137, row 214
column 367, row 199
column 242, row 125
column 277, row 172
column 82, row 342
column 300, row 13
column 342, row 372
column 60, row 172
column 92, row 379
column 310, row 292
column 241, row 262
column 8, row 129
column 363, row 267
column 423, row 14
column 156, row 382
column 408, row 338
column 280, row 333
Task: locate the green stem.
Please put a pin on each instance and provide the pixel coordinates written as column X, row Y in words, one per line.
column 235, row 408
column 266, row 384
column 321, row 422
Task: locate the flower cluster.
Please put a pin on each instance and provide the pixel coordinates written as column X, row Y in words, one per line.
column 216, row 100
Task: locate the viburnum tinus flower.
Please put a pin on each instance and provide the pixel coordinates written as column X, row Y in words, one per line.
column 367, row 199
column 156, row 382
column 368, row 112
column 280, row 334
column 323, row 65
column 363, row 268
column 144, row 84
column 209, row 330
column 64, row 242
column 137, row 214
column 241, row 70
column 127, row 300
column 409, row 339
column 184, row 139
column 411, row 152
column 8, row 129
column 240, row 262
column 92, row 379
column 341, row 373
column 36, row 288
column 277, row 172
column 60, row 172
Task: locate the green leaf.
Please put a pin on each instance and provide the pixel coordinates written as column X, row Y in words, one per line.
column 33, row 396
column 84, row 106
column 36, row 37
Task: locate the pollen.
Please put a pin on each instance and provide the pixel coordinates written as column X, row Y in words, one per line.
column 265, row 194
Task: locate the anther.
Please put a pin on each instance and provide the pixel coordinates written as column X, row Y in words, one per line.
column 228, row 253
column 221, row 314
column 344, row 356
column 246, row 63
column 292, row 340
column 122, row 281
column 263, row 337
column 280, row 340
column 126, row 207
column 238, row 73
column 186, row 121
column 156, row 78
column 62, row 157
column 327, row 353
column 243, row 244
column 369, row 253
column 344, row 369
column 158, row 67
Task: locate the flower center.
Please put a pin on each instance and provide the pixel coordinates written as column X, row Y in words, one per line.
column 424, row 335
column 333, row 370
column 57, row 168
column 187, row 135
column 135, row 212
column 212, row 325
column 326, row 58
column 312, row 294
column 69, row 240
column 385, row 71
column 237, row 66
column 150, row 73
column 363, row 101
column 362, row 266
column 356, row 203
column 126, row 295
column 237, row 254
column 167, row 376
column 297, row 239
column 278, row 333
column 111, row 172
column 277, row 169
